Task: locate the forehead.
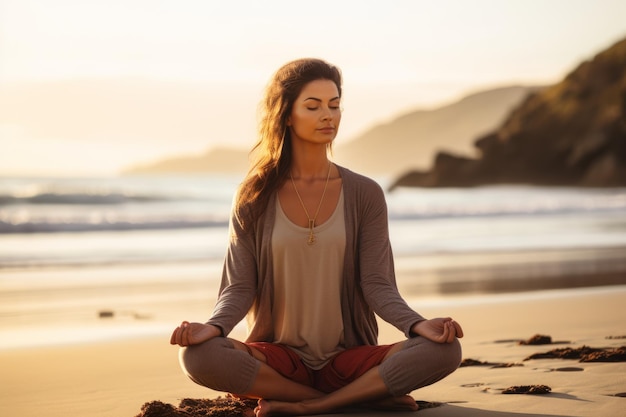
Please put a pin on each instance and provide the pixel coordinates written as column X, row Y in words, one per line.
column 320, row 89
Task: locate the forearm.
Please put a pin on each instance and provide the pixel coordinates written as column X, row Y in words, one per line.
column 389, row 305
column 232, row 306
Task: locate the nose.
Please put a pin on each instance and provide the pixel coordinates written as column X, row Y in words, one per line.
column 327, row 114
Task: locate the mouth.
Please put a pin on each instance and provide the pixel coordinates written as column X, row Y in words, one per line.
column 327, row 129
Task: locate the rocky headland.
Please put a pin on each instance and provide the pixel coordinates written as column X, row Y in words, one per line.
column 570, row 134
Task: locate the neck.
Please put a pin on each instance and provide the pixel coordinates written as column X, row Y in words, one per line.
column 310, row 166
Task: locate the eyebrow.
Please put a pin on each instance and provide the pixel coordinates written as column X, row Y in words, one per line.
column 320, row 100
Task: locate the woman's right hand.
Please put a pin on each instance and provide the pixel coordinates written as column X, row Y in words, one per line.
column 193, row 333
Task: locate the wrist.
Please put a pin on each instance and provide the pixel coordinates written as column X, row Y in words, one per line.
column 416, row 326
column 216, row 331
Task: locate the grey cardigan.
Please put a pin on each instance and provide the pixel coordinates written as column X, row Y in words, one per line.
column 369, row 284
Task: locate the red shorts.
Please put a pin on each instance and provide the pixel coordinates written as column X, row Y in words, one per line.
column 343, row 368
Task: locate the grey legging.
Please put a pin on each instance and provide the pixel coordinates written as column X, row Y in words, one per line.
column 216, row 364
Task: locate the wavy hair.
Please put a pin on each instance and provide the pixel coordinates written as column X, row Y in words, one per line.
column 272, row 154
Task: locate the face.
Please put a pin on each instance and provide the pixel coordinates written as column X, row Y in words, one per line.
column 316, row 113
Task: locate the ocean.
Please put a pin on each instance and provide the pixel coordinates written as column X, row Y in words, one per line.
column 84, row 259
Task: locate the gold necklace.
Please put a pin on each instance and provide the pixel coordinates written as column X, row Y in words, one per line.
column 311, row 240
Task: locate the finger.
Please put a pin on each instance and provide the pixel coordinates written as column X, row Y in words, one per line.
column 173, row 336
column 445, row 333
column 184, row 337
column 459, row 330
column 189, row 334
column 179, row 337
column 176, row 338
column 451, row 332
column 181, row 334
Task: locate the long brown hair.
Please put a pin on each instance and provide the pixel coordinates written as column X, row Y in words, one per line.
column 272, row 153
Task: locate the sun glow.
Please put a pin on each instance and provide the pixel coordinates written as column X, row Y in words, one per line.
column 202, row 66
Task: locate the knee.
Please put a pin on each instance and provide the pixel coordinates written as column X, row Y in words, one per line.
column 443, row 356
column 421, row 362
column 451, row 355
column 196, row 360
column 216, row 364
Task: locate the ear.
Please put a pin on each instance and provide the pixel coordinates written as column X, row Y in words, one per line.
column 288, row 123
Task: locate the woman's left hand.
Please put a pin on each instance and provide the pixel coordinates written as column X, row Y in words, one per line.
column 440, row 330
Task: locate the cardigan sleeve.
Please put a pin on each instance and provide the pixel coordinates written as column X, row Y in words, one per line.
column 239, row 280
column 376, row 265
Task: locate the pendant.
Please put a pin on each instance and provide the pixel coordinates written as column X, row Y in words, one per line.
column 312, row 239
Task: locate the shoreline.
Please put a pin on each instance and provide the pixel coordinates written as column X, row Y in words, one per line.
column 62, row 307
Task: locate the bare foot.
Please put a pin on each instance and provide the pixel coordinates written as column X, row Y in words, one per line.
column 402, row 403
column 267, row 408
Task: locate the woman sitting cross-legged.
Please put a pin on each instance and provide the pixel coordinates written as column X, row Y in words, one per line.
column 309, row 264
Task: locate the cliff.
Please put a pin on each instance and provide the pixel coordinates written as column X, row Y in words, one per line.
column 569, row 134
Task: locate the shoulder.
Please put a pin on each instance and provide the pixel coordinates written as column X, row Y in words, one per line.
column 360, row 184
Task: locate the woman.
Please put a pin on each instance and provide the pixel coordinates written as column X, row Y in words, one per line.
column 309, row 263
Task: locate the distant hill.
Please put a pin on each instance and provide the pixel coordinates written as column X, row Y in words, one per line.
column 572, row 133
column 222, row 160
column 411, row 140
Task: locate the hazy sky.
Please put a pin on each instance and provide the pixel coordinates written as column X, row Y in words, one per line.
column 395, row 56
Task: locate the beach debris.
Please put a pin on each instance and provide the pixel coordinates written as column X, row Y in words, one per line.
column 158, row 409
column 620, row 394
column 229, row 406
column 615, row 337
column 107, row 314
column 538, row 339
column 475, row 362
column 564, row 353
column 423, row 405
column 191, row 407
column 584, row 354
column 528, row 389
column 608, row 355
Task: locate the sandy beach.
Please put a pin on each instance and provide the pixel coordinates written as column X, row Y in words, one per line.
column 116, row 378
